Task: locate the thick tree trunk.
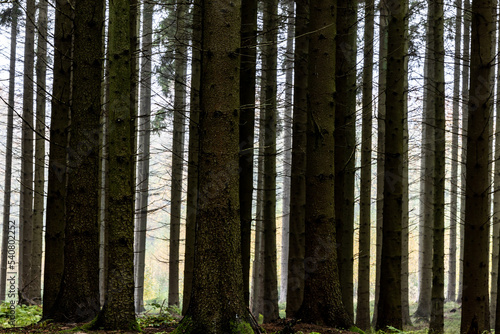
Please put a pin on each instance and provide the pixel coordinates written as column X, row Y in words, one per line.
column 26, row 196
column 452, row 260
column 345, row 146
column 389, row 305
column 218, row 256
column 247, row 124
column 475, row 303
column 194, row 137
column 436, row 324
column 8, row 155
column 180, row 65
column 78, row 298
column 287, row 147
column 363, row 302
column 271, row 309
column 57, row 177
column 322, row 295
column 295, row 288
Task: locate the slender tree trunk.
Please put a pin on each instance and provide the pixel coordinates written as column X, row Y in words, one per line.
column 295, row 289
column 426, row 175
column 271, row 309
column 6, row 230
column 380, row 147
column 287, row 147
column 496, row 207
column 39, row 194
column 180, row 64
column 247, row 124
column 57, row 176
column 389, row 304
column 143, row 157
column 465, row 121
column 78, row 298
column 194, row 149
column 26, row 195
column 436, row 324
column 345, row 146
column 452, row 260
column 363, row 302
column 475, row 304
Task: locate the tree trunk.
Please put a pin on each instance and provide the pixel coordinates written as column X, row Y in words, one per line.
column 247, row 122
column 389, row 304
column 26, row 195
column 475, row 304
column 271, row 309
column 426, row 176
column 78, row 298
column 118, row 312
column 345, row 146
column 452, row 260
column 143, row 155
column 180, row 64
column 287, row 147
column 295, row 288
column 8, row 155
column 322, row 295
column 57, row 176
column 363, row 302
column 194, row 137
column 217, row 253
column 495, row 310
column 380, row 147
column 436, row 324
column 39, row 195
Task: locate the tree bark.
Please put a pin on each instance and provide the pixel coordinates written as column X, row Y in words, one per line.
column 436, row 324
column 78, row 297
column 363, row 302
column 389, row 304
column 8, row 154
column 295, row 288
column 345, row 146
column 475, row 303
column 180, row 65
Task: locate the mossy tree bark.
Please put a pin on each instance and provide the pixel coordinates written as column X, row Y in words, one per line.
column 322, row 302
column 194, row 138
column 118, row 312
column 389, row 311
column 217, row 303
column 248, row 57
column 345, row 146
column 78, row 298
column 295, row 289
column 8, row 151
column 436, row 324
column 363, row 302
column 475, row 302
column 56, row 188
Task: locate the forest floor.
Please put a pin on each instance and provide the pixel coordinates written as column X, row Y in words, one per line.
column 159, row 320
